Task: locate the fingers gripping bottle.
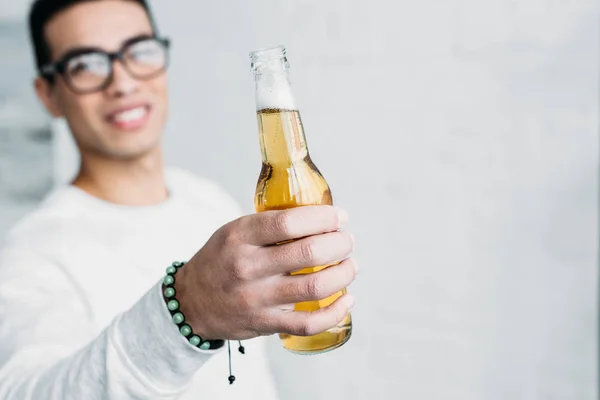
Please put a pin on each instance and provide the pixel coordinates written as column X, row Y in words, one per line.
column 289, row 178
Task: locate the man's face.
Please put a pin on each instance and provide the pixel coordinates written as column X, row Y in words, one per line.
column 124, row 120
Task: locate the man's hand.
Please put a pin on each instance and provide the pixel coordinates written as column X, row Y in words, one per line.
column 238, row 286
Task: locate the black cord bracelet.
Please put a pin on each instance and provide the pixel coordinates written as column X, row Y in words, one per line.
column 178, row 317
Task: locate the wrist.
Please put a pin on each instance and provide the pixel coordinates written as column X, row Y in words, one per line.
column 187, row 295
column 180, row 300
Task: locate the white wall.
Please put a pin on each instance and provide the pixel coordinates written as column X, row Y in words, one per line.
column 25, row 140
column 11, row 10
column 462, row 137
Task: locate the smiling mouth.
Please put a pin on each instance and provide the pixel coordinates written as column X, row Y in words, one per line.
column 132, row 118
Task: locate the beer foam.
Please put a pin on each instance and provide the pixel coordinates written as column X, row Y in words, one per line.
column 274, row 91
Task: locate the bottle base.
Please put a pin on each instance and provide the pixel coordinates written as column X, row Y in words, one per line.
column 322, row 343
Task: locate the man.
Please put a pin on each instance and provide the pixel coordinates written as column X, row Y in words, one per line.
column 83, row 310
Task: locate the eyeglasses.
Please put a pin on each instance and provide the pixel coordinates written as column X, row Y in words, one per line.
column 90, row 70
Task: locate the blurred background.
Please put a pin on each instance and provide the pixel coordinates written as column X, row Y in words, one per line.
column 461, row 135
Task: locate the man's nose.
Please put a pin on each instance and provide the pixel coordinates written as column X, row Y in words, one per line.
column 122, row 83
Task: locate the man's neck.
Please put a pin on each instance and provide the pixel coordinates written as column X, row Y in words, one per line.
column 138, row 182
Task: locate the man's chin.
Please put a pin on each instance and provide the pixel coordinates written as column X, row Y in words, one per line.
column 127, row 153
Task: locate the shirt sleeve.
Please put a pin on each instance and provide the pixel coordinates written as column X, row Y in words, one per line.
column 50, row 349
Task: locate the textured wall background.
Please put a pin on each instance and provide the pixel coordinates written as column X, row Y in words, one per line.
column 462, row 137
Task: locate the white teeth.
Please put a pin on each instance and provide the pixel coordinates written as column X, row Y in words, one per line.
column 130, row 115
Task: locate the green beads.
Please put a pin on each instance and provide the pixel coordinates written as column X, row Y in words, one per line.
column 186, row 330
column 195, row 340
column 169, row 280
column 173, row 305
column 205, row 346
column 169, row 292
column 171, row 270
column 178, row 318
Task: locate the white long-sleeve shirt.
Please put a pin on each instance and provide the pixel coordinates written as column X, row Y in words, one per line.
column 81, row 311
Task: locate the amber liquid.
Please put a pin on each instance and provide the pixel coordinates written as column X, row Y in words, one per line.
column 290, row 179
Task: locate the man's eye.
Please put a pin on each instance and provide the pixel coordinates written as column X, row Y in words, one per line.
column 88, row 64
column 146, row 51
column 141, row 52
column 79, row 68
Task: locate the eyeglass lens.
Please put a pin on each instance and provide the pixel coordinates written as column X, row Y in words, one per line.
column 90, row 71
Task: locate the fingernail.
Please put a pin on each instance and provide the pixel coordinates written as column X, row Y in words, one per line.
column 356, row 269
column 342, row 217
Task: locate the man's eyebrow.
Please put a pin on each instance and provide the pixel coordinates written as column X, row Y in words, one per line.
column 137, row 38
column 78, row 51
column 75, row 51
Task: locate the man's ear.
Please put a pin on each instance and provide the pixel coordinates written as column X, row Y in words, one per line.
column 45, row 93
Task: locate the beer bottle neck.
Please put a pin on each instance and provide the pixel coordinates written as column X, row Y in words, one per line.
column 281, row 132
column 282, row 139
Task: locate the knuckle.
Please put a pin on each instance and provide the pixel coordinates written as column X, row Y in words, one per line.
column 307, row 249
column 240, row 269
column 225, row 235
column 246, row 300
column 230, row 234
column 307, row 329
column 314, row 287
column 282, row 222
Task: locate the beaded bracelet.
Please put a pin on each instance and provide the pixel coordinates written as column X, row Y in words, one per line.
column 177, row 315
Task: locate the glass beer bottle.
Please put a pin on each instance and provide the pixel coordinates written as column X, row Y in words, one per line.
column 289, row 178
